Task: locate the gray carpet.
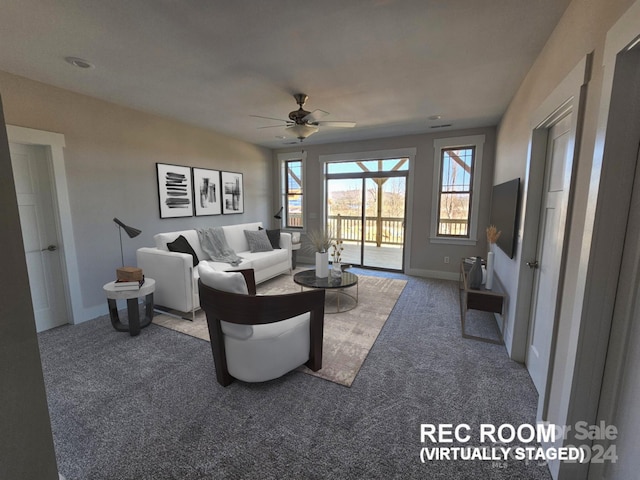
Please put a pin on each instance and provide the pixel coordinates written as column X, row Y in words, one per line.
column 149, row 407
column 348, row 336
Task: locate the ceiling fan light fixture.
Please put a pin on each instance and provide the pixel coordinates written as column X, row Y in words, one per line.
column 302, row 131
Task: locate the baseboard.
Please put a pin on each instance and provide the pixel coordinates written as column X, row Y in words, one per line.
column 419, row 272
column 90, row 313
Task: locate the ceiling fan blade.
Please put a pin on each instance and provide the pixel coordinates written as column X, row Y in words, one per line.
column 271, row 118
column 335, row 124
column 315, row 116
column 273, row 126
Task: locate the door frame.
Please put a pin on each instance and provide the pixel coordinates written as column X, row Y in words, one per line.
column 54, row 144
column 542, row 136
column 408, row 152
column 363, row 177
column 611, row 186
column 566, row 97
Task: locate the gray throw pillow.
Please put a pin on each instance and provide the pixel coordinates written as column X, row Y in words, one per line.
column 258, row 241
column 274, row 237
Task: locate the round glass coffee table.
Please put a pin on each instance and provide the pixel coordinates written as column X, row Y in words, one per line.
column 340, row 300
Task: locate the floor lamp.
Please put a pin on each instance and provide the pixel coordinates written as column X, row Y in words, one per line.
column 131, row 231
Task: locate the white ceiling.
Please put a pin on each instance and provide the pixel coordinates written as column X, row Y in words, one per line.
column 387, row 64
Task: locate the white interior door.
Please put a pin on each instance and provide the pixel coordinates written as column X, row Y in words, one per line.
column 32, row 177
column 557, row 182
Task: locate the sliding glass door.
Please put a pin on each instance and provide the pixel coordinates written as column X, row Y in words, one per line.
column 384, row 222
column 366, row 209
column 344, row 216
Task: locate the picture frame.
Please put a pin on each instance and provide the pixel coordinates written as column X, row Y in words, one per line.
column 232, row 193
column 206, row 192
column 175, row 191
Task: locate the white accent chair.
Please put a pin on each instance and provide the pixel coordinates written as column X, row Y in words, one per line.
column 256, row 338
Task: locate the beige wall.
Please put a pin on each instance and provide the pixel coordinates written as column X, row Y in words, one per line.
column 426, row 258
column 110, row 158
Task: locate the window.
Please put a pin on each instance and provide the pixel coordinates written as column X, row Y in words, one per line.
column 456, row 175
column 456, row 185
column 293, row 194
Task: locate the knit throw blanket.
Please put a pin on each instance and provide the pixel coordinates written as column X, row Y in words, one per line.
column 214, row 244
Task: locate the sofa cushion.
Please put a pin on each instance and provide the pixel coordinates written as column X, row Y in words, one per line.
column 263, row 260
column 258, row 241
column 235, row 235
column 182, row 245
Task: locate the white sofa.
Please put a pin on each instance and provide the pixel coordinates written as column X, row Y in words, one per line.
column 177, row 279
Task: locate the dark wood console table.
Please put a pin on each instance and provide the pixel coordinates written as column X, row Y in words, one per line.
column 478, row 299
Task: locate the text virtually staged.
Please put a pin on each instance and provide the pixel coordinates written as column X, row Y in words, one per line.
column 504, row 443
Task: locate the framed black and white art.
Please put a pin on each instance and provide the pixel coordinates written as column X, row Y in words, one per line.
column 232, row 193
column 206, row 191
column 175, row 194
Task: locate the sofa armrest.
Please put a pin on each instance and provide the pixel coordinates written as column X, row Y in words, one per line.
column 285, row 240
column 173, row 273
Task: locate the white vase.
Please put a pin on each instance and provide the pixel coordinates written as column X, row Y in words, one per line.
column 489, row 283
column 322, row 264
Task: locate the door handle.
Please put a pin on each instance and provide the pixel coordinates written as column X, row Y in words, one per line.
column 50, row 248
column 533, row 264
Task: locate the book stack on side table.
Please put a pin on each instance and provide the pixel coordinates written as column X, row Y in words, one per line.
column 128, row 278
column 135, row 285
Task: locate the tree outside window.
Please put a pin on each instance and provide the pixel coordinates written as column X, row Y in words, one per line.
column 456, row 180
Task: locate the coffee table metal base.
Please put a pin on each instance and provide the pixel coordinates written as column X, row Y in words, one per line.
column 340, row 301
column 337, row 299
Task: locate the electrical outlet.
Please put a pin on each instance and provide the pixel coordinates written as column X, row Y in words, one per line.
column 446, row 259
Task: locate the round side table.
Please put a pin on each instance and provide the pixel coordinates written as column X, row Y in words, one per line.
column 131, row 296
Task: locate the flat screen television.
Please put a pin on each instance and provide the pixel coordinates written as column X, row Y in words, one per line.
column 505, row 201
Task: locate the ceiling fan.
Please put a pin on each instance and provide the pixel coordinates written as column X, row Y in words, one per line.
column 303, row 123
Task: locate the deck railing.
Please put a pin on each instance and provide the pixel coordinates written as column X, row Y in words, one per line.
column 379, row 230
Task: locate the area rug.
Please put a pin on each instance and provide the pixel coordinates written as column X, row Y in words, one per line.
column 348, row 336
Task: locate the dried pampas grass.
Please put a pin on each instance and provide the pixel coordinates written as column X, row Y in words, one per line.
column 493, row 234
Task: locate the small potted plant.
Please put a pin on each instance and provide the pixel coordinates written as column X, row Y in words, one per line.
column 336, row 257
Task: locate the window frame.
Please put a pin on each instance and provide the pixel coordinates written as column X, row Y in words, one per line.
column 283, row 188
column 440, row 145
